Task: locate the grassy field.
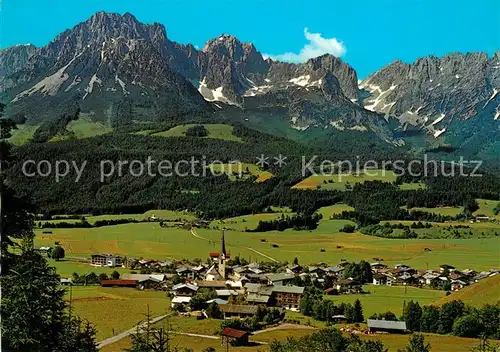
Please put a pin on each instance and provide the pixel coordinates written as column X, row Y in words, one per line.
column 486, row 208
column 380, row 299
column 22, row 134
column 149, row 240
column 159, row 213
column 446, row 211
column 216, row 131
column 114, row 310
column 342, row 182
column 84, row 127
column 486, row 291
column 451, row 229
column 339, row 208
column 412, row 186
column 241, row 171
column 440, row 343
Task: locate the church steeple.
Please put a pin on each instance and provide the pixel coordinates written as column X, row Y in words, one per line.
column 223, row 245
column 222, row 258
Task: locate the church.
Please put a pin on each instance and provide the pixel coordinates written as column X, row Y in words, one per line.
column 218, row 270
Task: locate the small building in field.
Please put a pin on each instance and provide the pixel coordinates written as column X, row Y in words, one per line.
column 339, row 319
column 234, row 337
column 236, row 311
column 388, row 326
column 66, row 281
column 119, row 283
column 180, row 301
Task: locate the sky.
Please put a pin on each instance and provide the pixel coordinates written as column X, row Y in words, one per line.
column 367, row 34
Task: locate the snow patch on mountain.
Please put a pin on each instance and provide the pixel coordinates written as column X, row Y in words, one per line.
column 439, row 132
column 301, row 80
column 495, row 92
column 438, row 120
column 122, row 84
column 90, row 87
column 213, row 94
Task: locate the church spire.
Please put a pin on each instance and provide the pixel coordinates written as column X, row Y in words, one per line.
column 223, row 245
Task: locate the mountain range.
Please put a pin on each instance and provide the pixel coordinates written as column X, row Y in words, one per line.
column 120, row 72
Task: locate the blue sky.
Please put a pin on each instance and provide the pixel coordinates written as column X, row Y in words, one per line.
column 366, row 34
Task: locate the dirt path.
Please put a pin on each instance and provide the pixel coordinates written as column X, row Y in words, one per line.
column 286, row 327
column 193, row 232
column 124, row 334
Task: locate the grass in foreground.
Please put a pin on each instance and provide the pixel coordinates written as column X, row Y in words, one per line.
column 113, row 310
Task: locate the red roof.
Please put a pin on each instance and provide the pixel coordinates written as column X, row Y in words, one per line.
column 216, row 255
column 118, row 282
column 233, row 333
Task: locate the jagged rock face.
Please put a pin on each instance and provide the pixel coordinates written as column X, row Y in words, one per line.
column 101, row 65
column 15, row 58
column 12, row 60
column 231, row 69
column 116, row 68
column 434, row 93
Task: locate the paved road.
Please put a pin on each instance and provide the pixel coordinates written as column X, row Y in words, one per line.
column 193, row 232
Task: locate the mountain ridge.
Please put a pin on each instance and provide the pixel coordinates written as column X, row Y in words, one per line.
column 118, row 71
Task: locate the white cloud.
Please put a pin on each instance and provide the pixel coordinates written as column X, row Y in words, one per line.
column 317, row 46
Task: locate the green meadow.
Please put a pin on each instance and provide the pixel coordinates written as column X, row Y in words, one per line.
column 380, row 299
column 343, row 182
column 216, row 131
column 241, row 171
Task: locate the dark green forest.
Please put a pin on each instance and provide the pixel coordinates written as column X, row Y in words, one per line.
column 213, row 196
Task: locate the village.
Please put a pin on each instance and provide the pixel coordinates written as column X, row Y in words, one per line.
column 229, row 288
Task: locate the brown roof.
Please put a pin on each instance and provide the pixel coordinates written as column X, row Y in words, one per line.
column 221, row 284
column 233, row 333
column 346, row 282
column 118, row 282
column 237, row 308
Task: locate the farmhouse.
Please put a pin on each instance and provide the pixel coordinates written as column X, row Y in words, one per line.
column 186, row 290
column 348, row 286
column 280, row 279
column 234, row 337
column 386, row 326
column 180, row 301
column 288, row 297
column 232, row 311
column 186, row 272
column 105, row 259
column 445, row 267
column 376, row 267
column 379, row 280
